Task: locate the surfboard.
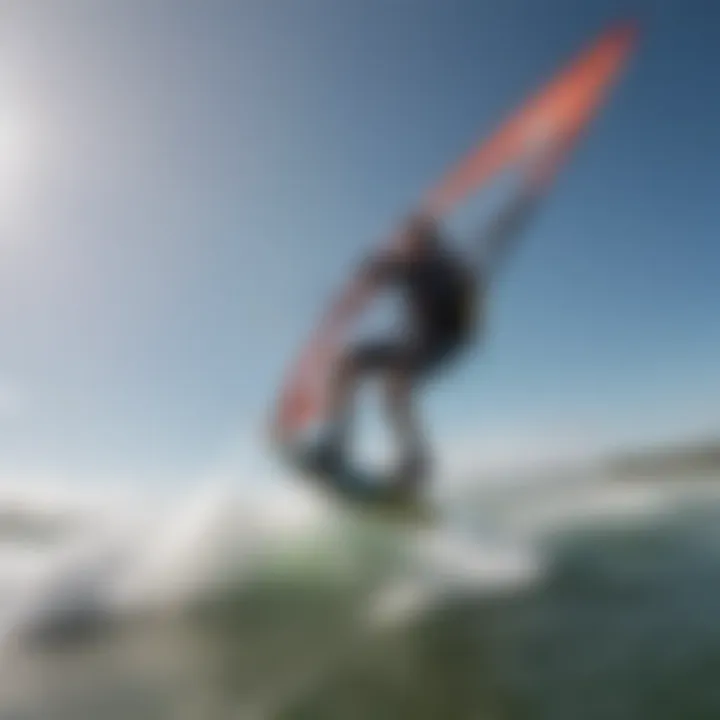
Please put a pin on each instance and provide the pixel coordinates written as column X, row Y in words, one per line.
column 537, row 137
column 367, row 491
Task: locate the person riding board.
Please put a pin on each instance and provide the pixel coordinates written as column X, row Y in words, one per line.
column 445, row 296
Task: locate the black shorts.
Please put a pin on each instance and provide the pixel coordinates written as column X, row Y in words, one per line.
column 414, row 358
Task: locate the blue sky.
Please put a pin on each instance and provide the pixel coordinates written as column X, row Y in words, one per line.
column 187, row 182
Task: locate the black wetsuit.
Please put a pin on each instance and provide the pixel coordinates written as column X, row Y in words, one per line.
column 440, row 291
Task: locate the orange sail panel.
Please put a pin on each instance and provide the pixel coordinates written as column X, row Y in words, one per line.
column 552, row 117
column 541, row 134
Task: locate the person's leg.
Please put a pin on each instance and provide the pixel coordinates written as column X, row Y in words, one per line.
column 414, row 365
column 402, row 414
column 404, row 365
column 340, row 404
column 352, row 367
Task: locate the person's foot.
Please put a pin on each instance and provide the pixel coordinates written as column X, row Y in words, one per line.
column 412, row 474
column 328, row 456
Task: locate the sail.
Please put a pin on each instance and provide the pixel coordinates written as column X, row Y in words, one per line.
column 539, row 136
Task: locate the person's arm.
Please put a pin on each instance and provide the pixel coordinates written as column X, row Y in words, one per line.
column 377, row 270
column 503, row 232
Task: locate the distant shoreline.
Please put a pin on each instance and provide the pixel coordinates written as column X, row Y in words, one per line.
column 693, row 457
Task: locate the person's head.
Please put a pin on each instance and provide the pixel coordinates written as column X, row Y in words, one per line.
column 420, row 234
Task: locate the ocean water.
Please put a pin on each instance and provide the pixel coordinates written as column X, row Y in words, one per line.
column 576, row 596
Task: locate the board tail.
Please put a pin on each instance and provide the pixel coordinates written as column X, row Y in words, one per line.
column 539, row 135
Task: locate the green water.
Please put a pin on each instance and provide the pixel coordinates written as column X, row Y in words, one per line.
column 625, row 624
